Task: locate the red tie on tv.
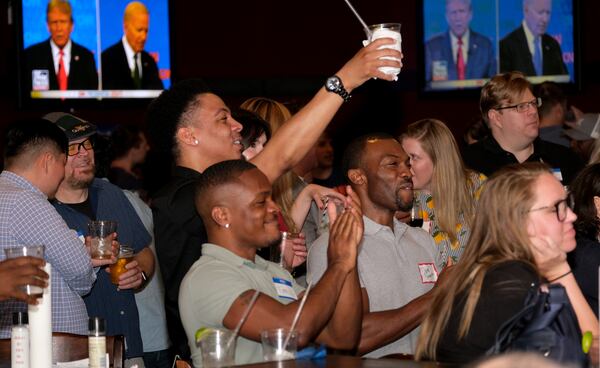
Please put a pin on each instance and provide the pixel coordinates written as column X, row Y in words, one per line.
column 62, row 73
column 460, row 61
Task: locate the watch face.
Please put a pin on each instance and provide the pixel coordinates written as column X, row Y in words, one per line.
column 333, row 83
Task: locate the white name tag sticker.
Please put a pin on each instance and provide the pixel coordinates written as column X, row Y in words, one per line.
column 284, row 289
column 40, row 79
column 429, row 274
column 557, row 174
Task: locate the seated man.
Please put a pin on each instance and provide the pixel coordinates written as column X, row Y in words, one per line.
column 510, row 109
column 34, row 158
column 234, row 200
column 398, row 265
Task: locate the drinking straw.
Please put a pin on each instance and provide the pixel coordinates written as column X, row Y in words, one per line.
column 296, row 317
column 243, row 319
column 367, row 30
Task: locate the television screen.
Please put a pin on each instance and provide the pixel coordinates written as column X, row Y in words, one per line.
column 468, row 41
column 86, row 49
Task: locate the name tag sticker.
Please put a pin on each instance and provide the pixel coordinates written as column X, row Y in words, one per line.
column 557, row 174
column 40, row 80
column 284, row 288
column 81, row 237
column 429, row 274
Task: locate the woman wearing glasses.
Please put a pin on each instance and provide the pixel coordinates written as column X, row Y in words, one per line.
column 521, row 233
column 446, row 191
column 585, row 259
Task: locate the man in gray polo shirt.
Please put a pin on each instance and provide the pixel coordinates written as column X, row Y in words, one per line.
column 234, row 200
column 397, row 265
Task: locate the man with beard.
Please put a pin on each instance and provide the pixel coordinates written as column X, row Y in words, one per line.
column 82, row 198
column 191, row 128
column 397, row 265
column 234, row 200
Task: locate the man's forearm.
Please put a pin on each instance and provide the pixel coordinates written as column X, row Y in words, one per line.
column 343, row 330
column 319, row 306
column 293, row 140
column 382, row 328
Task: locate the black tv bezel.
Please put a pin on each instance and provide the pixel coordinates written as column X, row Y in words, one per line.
column 26, row 102
column 569, row 87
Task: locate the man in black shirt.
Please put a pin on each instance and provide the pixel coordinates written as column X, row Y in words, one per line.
column 196, row 127
column 510, row 109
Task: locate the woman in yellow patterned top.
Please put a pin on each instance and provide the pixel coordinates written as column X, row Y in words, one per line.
column 446, row 191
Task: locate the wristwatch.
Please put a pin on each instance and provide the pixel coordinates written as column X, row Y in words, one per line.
column 334, row 84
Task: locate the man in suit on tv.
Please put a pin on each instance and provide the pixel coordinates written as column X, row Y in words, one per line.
column 459, row 53
column 125, row 65
column 529, row 49
column 59, row 63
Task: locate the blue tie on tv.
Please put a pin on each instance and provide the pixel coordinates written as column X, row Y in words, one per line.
column 537, row 57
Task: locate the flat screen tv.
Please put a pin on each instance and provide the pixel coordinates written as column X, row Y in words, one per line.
column 466, row 42
column 106, row 49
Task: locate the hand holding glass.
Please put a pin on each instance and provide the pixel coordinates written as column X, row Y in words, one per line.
column 125, row 256
column 386, row 30
column 36, row 251
column 101, row 243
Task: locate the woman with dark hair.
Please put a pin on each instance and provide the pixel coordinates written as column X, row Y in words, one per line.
column 255, row 132
column 585, row 259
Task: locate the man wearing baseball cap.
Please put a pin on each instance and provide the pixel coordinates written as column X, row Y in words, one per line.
column 82, row 198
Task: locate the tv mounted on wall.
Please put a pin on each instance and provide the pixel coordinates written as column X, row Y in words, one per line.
column 497, row 36
column 98, row 45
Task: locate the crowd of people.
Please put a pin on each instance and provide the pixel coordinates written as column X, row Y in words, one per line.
column 498, row 222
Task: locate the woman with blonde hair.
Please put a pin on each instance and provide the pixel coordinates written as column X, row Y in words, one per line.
column 445, row 190
column 521, row 233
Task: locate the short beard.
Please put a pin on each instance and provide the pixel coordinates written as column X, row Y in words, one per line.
column 273, row 243
column 81, row 183
column 403, row 206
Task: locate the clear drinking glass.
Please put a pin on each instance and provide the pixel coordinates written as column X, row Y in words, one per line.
column 36, row 251
column 101, row 243
column 215, row 352
column 273, row 341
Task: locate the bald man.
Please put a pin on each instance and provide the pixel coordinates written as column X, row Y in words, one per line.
column 125, row 65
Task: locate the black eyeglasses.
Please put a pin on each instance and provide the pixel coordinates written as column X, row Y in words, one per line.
column 561, row 208
column 523, row 106
column 76, row 147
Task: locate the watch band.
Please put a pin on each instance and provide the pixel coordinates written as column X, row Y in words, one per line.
column 343, row 93
column 334, row 84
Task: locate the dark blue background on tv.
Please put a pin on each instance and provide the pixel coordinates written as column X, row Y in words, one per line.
column 111, row 23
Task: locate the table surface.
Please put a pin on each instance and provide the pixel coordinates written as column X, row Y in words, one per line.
column 347, row 362
column 332, row 361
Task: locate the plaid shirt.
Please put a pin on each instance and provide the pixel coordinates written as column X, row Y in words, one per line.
column 26, row 217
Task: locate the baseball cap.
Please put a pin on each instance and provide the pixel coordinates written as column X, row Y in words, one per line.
column 585, row 128
column 75, row 128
